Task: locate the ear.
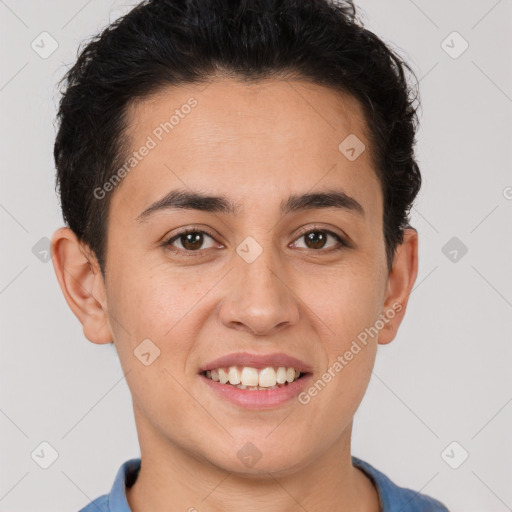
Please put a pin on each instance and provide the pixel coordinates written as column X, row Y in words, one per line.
column 400, row 282
column 82, row 284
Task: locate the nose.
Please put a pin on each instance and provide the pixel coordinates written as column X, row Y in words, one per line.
column 259, row 297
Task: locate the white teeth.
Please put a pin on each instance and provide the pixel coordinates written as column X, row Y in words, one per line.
column 223, row 376
column 281, row 375
column 252, row 378
column 234, row 375
column 249, row 376
column 267, row 377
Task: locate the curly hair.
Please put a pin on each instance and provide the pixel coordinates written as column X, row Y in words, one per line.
column 171, row 42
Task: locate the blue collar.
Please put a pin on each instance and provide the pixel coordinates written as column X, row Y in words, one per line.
column 392, row 497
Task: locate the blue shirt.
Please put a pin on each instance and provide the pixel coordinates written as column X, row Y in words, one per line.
column 392, row 497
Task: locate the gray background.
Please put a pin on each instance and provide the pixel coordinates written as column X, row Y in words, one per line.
column 445, row 378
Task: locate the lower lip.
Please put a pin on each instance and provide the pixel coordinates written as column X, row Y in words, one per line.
column 258, row 399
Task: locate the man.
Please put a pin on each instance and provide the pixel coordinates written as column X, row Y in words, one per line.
column 236, row 178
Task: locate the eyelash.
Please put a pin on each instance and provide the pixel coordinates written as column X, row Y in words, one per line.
column 189, row 253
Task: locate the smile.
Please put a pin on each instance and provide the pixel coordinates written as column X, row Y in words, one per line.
column 254, row 379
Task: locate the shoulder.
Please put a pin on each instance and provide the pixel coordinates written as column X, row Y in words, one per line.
column 98, row 505
column 413, row 501
column 394, row 498
column 116, row 500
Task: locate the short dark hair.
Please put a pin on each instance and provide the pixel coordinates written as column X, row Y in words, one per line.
column 172, row 42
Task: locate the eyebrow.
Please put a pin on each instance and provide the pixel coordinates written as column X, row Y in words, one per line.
column 187, row 200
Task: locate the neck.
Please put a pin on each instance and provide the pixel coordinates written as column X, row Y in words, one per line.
column 173, row 478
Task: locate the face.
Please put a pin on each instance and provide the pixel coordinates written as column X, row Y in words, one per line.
column 257, row 274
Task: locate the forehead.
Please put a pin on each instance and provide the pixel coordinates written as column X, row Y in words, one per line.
column 249, row 140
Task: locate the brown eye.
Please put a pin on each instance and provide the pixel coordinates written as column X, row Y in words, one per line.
column 316, row 239
column 190, row 241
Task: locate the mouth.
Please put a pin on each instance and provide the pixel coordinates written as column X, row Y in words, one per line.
column 255, row 379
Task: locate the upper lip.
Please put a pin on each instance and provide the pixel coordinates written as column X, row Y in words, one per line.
column 257, row 361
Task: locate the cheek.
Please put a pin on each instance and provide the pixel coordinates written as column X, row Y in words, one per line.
column 352, row 313
column 349, row 311
column 350, row 347
column 154, row 301
column 348, row 301
column 151, row 311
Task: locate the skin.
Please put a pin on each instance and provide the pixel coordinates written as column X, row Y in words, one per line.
column 257, row 144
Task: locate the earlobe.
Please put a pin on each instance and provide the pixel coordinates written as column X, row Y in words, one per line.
column 399, row 286
column 82, row 284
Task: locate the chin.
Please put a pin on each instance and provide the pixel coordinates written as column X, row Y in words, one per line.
column 249, row 462
column 273, row 468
